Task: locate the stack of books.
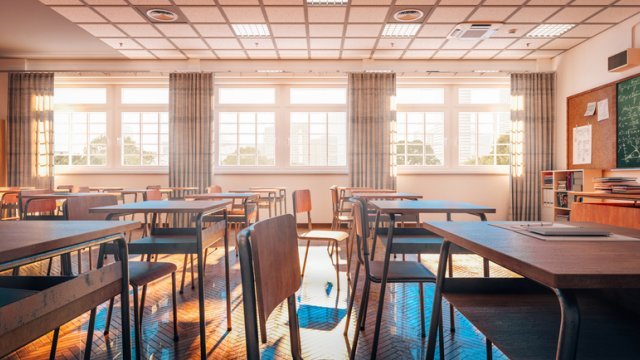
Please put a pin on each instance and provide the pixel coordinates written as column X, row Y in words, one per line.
column 562, row 185
column 617, row 184
column 547, row 180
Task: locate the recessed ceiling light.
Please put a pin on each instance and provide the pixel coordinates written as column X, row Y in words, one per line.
column 162, row 15
column 270, row 71
column 251, row 30
column 400, row 30
column 550, row 30
column 408, row 15
column 327, row 2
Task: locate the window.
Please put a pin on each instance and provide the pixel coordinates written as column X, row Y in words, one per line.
column 483, row 96
column 318, row 139
column 80, row 138
column 247, row 138
column 145, row 138
column 318, row 96
column 80, row 96
column 145, row 96
column 420, row 96
column 420, row 138
column 247, row 95
column 484, row 138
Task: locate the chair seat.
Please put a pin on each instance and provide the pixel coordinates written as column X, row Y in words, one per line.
column 144, row 272
column 164, row 244
column 401, row 271
column 323, row 235
column 345, row 218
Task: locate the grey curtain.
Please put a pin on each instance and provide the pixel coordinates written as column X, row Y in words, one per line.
column 30, row 130
column 371, row 124
column 190, row 129
column 532, row 115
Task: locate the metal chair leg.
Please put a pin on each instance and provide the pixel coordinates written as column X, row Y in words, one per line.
column 352, row 298
column 422, row 325
column 142, row 299
column 452, row 314
column 294, row 328
column 184, row 272
column 79, row 261
column 337, row 266
column 193, row 285
column 175, row 309
column 109, row 314
column 136, row 320
column 90, row 328
column 54, row 344
column 304, row 262
column 361, row 316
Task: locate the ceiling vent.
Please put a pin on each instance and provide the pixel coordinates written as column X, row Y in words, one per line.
column 473, row 31
column 408, row 15
column 164, row 14
column 624, row 60
column 404, row 14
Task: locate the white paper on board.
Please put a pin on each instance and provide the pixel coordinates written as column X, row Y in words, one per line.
column 591, row 109
column 603, row 109
column 582, row 145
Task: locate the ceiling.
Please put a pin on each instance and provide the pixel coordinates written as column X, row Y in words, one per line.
column 65, row 28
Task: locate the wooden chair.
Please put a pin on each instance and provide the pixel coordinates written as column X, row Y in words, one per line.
column 399, row 272
column 9, row 206
column 214, row 189
column 43, row 209
column 340, row 216
column 302, row 204
column 270, row 270
column 83, row 189
column 68, row 188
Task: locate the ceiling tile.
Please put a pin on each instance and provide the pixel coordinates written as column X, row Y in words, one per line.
column 573, row 14
column 513, row 30
column 370, row 2
column 177, row 30
column 453, row 14
column 79, row 14
column 102, row 30
column 528, row 44
column 231, row 54
column 586, row 30
column 459, row 44
column 155, row 43
column 614, row 15
column 137, row 54
column 532, row 14
column 223, row 43
column 492, row 13
column 200, row 54
column 435, row 30
column 548, row 2
column 168, row 54
column 563, row 44
column 244, row 14
column 281, row 30
column 325, row 54
column 239, row 2
column 543, row 54
column 627, row 2
column 203, row 14
column 121, row 43
column 504, row 2
column 426, row 43
column 512, row 54
column 257, row 44
column 449, row 54
column 221, row 30
column 325, row 43
column 262, row 54
column 481, row 54
column 364, row 43
column 362, row 30
column 325, row 30
column 139, row 30
column 418, row 54
column 285, row 14
column 592, row 2
column 294, row 43
column 393, row 44
column 189, row 43
column 459, row 2
column 120, row 14
column 61, row 2
column 387, row 54
column 365, row 14
column 294, row 54
column 331, row 14
column 356, row 54
column 105, row 2
column 283, row 2
column 194, row 2
column 416, row 2
column 494, row 44
column 150, row 2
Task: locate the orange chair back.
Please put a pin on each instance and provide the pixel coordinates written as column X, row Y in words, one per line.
column 214, row 189
column 152, row 194
column 77, row 207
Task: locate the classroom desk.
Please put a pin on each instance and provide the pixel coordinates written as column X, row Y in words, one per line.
column 271, row 198
column 562, row 272
column 224, row 195
column 387, row 196
column 57, row 300
column 27, row 199
column 281, row 196
column 181, row 240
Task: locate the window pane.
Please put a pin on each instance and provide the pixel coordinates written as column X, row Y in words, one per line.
column 484, row 138
column 318, row 139
column 145, row 96
column 483, row 96
column 420, row 138
column 144, row 138
column 318, row 96
column 80, row 138
column 80, row 96
column 247, row 96
column 246, row 138
column 420, row 96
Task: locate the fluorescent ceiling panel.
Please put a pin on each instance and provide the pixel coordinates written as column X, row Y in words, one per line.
column 398, row 30
column 549, row 30
column 251, row 30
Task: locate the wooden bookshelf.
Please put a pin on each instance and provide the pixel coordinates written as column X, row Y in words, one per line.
column 557, row 192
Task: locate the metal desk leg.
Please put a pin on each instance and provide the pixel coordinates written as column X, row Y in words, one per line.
column 569, row 325
column 200, row 257
column 226, row 269
column 437, row 300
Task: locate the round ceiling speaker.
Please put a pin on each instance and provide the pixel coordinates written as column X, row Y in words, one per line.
column 408, row 15
column 162, row 15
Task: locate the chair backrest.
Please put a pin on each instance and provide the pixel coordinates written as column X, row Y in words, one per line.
column 152, row 194
column 10, row 198
column 302, row 204
column 69, row 188
column 37, row 206
column 77, row 207
column 214, row 189
column 361, row 227
column 380, row 191
column 83, row 189
column 154, row 187
column 270, row 269
column 335, row 199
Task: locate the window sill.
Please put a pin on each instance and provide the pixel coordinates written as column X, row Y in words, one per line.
column 111, row 171
column 279, row 171
column 453, row 171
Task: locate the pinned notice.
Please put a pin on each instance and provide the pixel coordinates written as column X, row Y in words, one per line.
column 591, row 109
column 603, row 109
column 582, row 145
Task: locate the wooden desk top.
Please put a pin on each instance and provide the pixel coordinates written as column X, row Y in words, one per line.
column 556, row 264
column 222, row 195
column 163, row 206
column 610, row 196
column 105, row 188
column 428, row 206
column 60, row 195
column 387, row 196
column 22, row 239
column 140, row 191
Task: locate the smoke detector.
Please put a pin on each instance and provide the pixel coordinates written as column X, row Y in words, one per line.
column 473, row 31
column 162, row 15
column 408, row 15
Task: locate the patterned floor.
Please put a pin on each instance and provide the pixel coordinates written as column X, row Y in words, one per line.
column 321, row 310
